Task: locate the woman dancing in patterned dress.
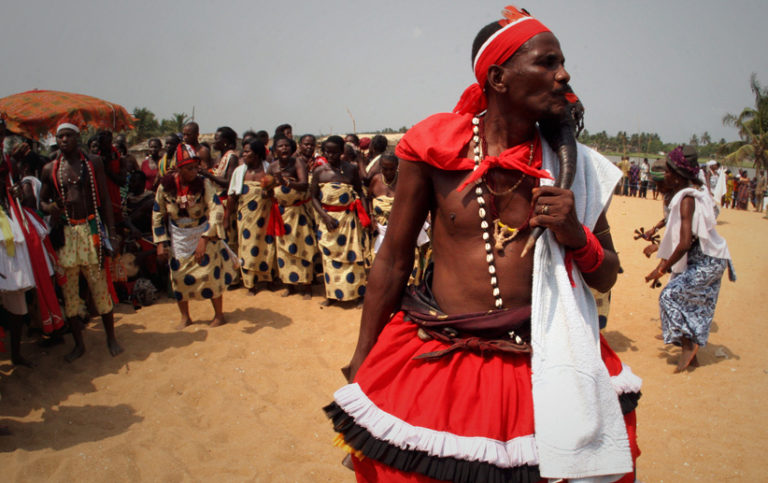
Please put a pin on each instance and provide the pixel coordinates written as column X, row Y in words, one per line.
column 696, row 255
column 188, row 227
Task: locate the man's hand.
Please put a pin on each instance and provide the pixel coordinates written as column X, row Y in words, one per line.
column 330, row 223
column 657, row 273
column 554, row 208
column 54, row 209
column 20, row 151
column 200, row 251
column 650, row 250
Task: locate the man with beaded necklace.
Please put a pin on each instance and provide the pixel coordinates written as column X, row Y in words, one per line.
column 74, row 192
column 507, row 381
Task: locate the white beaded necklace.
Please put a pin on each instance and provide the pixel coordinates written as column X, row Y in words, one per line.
column 498, row 303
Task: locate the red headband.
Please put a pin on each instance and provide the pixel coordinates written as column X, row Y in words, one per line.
column 518, row 28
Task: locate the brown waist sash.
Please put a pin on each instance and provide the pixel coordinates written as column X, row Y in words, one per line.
column 506, row 330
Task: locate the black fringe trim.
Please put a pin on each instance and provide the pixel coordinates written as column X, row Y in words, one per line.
column 414, row 461
column 628, row 401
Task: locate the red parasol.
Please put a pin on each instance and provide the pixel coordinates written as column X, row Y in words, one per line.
column 35, row 113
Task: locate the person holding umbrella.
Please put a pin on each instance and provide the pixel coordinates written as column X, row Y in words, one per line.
column 74, row 192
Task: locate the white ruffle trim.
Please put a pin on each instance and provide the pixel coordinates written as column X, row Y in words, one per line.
column 626, row 381
column 385, row 427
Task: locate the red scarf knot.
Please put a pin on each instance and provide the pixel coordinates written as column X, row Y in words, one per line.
column 516, row 158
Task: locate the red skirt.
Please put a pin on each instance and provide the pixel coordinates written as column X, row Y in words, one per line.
column 465, row 417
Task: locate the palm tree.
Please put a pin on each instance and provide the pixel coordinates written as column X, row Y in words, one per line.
column 175, row 123
column 752, row 124
column 146, row 124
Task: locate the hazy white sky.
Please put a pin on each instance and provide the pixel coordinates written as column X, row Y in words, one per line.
column 672, row 67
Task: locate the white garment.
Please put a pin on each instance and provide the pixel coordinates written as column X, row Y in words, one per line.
column 184, row 240
column 580, row 430
column 720, row 187
column 421, row 240
column 17, row 269
column 702, row 226
column 238, row 177
column 371, row 164
column 36, row 185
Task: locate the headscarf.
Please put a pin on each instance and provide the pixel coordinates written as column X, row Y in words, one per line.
column 684, row 161
column 517, row 28
column 67, row 125
column 185, row 154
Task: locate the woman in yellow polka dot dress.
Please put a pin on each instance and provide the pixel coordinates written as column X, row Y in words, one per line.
column 187, row 225
column 250, row 191
column 338, row 201
column 296, row 242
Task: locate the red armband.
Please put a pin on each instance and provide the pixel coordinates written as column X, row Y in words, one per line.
column 589, row 257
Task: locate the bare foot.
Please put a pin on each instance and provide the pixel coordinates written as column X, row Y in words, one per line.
column 347, row 462
column 76, row 353
column 253, row 291
column 184, row 324
column 695, row 362
column 686, row 356
column 659, row 336
column 218, row 321
column 286, row 292
column 326, row 303
column 20, row 361
column 114, row 347
column 307, row 295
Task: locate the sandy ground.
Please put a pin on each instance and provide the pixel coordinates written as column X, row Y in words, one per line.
column 243, row 402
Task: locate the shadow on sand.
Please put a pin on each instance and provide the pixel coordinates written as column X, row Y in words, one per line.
column 53, row 380
column 258, row 318
column 619, row 342
column 67, row 426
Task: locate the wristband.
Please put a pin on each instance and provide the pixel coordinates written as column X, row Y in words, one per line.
column 589, row 257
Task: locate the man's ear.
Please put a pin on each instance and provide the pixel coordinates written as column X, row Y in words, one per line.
column 495, row 80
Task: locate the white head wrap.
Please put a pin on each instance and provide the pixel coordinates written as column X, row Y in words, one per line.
column 67, row 125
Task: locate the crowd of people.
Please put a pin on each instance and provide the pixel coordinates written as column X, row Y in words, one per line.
column 731, row 190
column 190, row 219
column 464, row 366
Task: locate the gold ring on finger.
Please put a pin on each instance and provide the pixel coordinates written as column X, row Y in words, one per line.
column 545, row 210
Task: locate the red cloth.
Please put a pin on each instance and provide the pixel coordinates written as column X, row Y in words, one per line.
column 50, row 312
column 466, row 394
column 150, row 173
column 357, row 206
column 275, row 225
column 518, row 29
column 441, row 139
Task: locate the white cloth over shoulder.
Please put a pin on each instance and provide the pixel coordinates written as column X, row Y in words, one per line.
column 702, row 226
column 238, row 177
column 580, row 430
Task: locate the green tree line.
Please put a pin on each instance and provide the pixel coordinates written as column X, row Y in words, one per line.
column 147, row 125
